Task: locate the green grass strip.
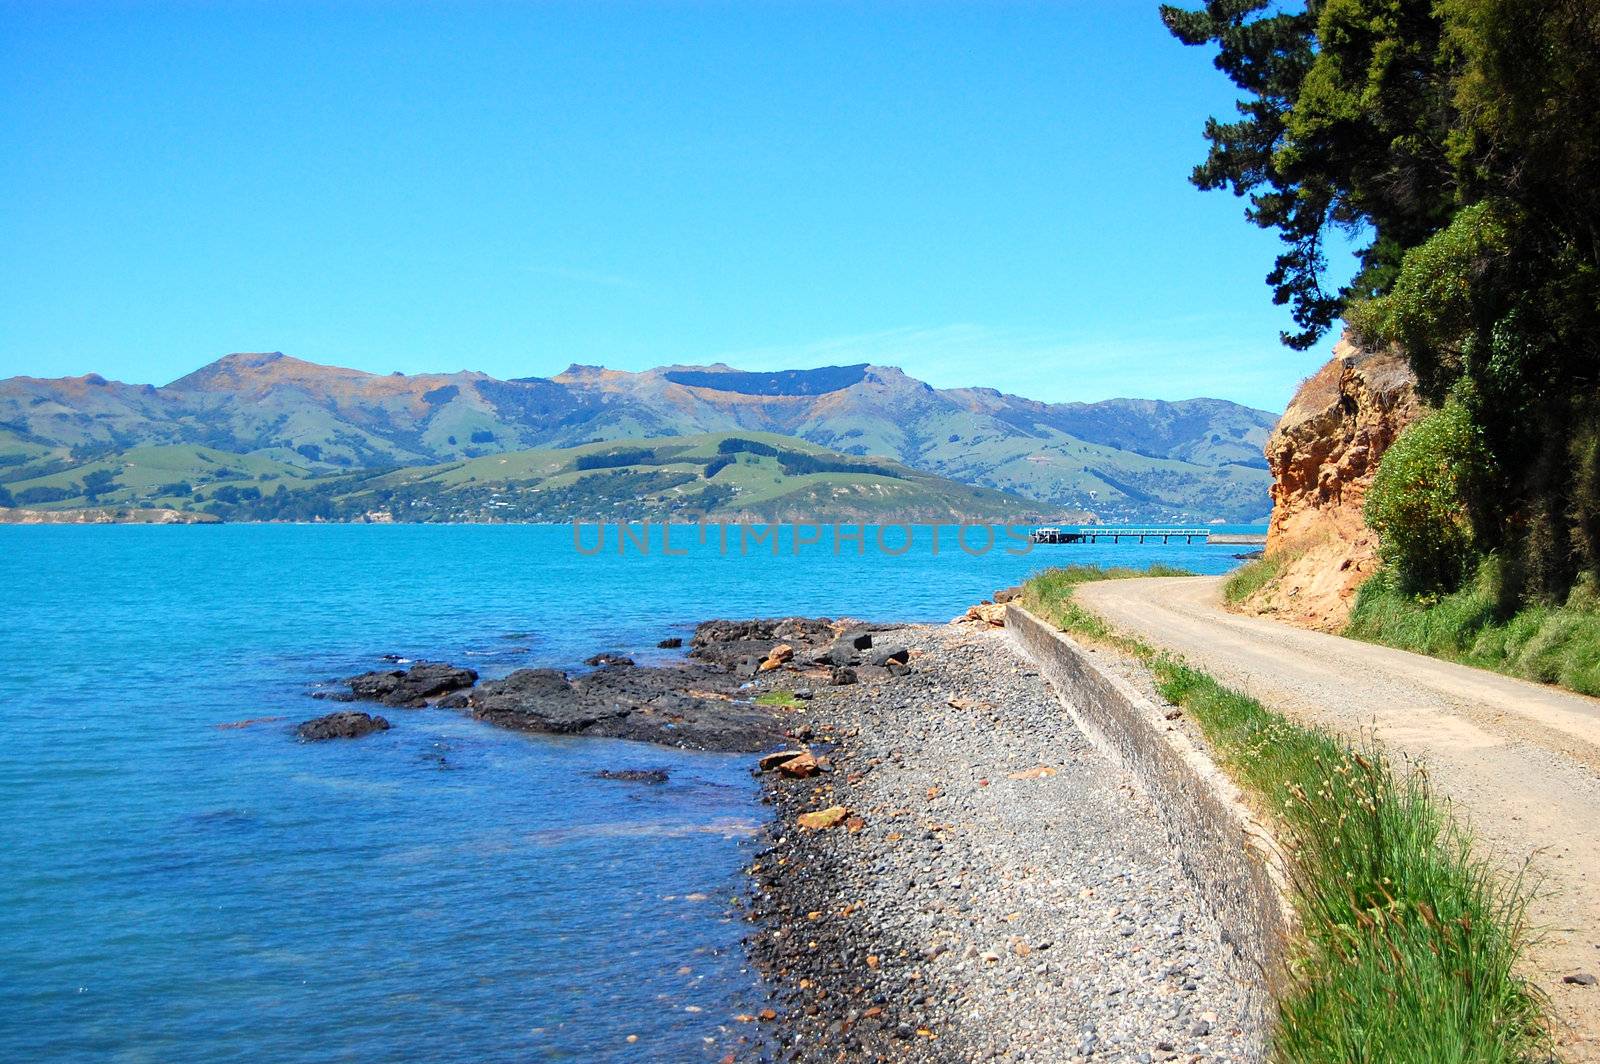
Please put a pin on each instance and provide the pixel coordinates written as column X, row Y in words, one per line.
column 1410, row 941
column 1547, row 643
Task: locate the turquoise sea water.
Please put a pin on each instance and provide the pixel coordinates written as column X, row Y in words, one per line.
column 176, row 890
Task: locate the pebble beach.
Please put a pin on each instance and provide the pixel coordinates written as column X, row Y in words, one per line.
column 987, row 884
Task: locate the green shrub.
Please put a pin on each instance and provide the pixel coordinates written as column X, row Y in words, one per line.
column 1421, row 501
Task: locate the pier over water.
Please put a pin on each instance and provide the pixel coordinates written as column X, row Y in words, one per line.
column 1096, row 533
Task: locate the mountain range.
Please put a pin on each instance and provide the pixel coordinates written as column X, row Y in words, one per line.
column 1123, row 459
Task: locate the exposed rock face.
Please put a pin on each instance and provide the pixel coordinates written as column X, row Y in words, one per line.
column 1323, row 455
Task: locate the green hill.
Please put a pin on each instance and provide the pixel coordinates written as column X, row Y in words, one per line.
column 750, row 476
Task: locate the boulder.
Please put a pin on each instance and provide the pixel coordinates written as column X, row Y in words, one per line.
column 842, row 675
column 670, row 643
column 993, row 614
column 890, row 656
column 832, row 816
column 775, row 760
column 802, row 766
column 777, row 657
column 1007, row 594
column 345, row 724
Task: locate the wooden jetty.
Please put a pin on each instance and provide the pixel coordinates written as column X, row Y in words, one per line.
column 1096, row 533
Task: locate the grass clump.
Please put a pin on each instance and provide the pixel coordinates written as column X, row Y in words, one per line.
column 1410, row 942
column 1554, row 644
column 1252, row 576
column 783, row 699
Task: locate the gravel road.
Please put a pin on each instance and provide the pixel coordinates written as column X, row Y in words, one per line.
column 1001, row 893
column 1520, row 759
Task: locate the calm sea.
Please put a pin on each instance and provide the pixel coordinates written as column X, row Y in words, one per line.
column 172, row 889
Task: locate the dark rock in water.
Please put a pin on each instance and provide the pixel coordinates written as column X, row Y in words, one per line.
column 673, row 706
column 609, row 657
column 345, row 724
column 522, row 688
column 671, row 643
column 391, row 657
column 842, row 675
column 891, row 656
column 411, row 688
column 633, row 775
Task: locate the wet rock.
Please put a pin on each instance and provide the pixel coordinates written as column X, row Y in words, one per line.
column 410, row 688
column 608, row 658
column 654, row 776
column 693, row 708
column 345, row 724
column 670, row 643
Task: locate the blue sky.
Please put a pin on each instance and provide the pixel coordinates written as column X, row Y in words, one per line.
column 984, row 194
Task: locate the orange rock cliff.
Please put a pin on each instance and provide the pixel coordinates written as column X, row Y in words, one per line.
column 1323, row 454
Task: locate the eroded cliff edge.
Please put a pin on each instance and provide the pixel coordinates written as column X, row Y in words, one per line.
column 1323, row 454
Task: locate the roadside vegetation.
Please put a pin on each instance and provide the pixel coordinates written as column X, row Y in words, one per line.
column 1256, row 574
column 1548, row 644
column 1410, row 941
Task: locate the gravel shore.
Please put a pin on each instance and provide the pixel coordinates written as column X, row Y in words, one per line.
column 998, row 890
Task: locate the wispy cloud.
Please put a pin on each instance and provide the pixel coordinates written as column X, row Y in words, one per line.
column 1170, row 358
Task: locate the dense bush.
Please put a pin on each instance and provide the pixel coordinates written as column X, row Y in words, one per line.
column 737, row 445
column 1422, row 500
column 44, row 493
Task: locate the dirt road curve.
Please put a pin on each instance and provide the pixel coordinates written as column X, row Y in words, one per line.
column 1522, row 761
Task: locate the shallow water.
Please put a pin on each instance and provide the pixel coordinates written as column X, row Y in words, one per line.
column 172, row 889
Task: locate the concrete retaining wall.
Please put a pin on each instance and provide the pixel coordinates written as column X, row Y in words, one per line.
column 1233, row 862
